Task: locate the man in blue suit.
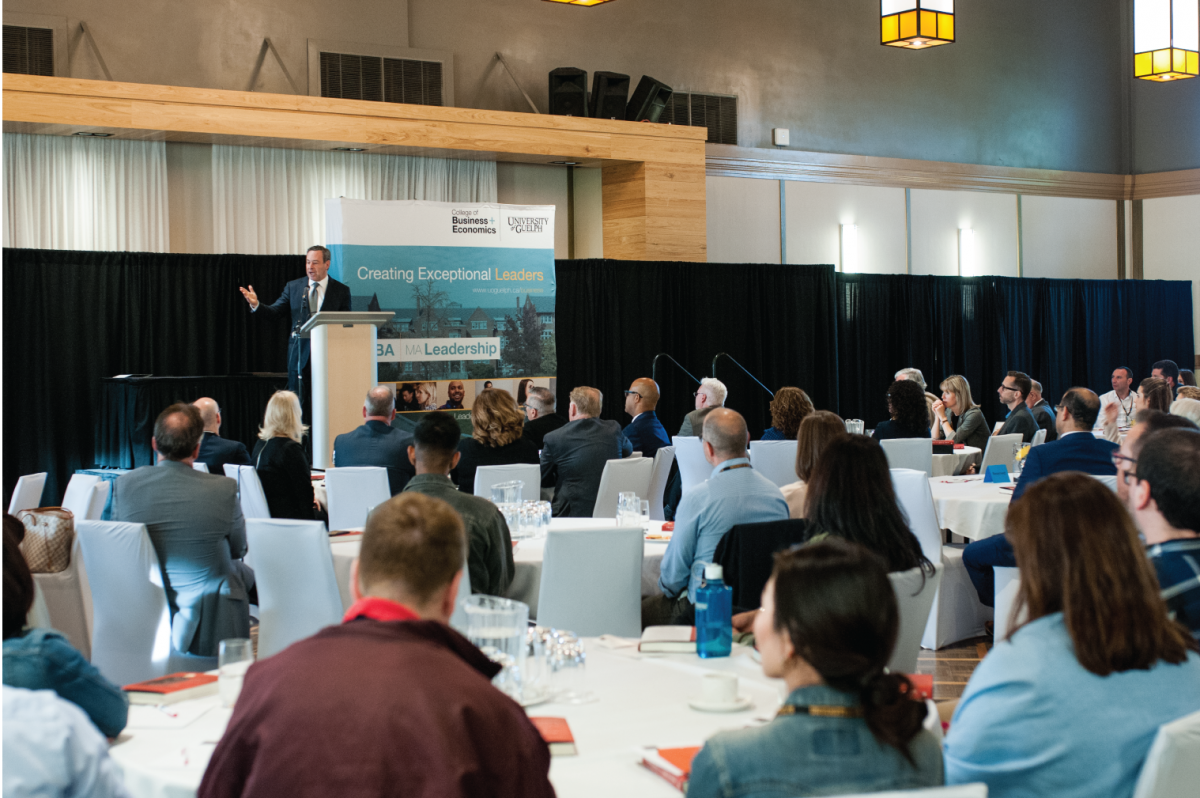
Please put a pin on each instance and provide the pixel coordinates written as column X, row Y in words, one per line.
column 215, row 451
column 1076, row 449
column 645, row 432
column 377, row 442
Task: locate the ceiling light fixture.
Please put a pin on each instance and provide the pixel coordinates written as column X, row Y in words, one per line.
column 579, row 2
column 349, row 149
column 916, row 24
column 1166, row 39
column 86, row 135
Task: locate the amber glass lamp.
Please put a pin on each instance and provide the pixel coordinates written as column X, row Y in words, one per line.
column 1166, row 39
column 916, row 24
column 580, row 2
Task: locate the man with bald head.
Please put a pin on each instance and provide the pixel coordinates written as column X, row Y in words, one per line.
column 573, row 457
column 645, row 432
column 215, row 451
column 733, row 494
column 377, row 442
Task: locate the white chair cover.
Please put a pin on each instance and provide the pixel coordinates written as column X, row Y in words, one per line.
column 131, row 635
column 999, row 451
column 1008, row 582
column 1039, row 438
column 693, row 468
column 957, row 613
column 592, row 581
column 78, row 497
column 67, row 599
column 250, row 491
column 916, row 601
column 28, row 493
column 1110, row 480
column 352, row 492
column 297, row 591
column 916, row 500
column 99, row 501
column 663, row 459
column 459, row 619
column 976, row 790
column 619, row 476
column 202, row 467
column 914, row 453
column 1172, row 768
column 775, row 460
column 529, row 473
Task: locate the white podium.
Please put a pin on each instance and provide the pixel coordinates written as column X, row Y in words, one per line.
column 343, row 358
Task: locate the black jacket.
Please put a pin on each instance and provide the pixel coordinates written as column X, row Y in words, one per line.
column 215, row 452
column 376, row 444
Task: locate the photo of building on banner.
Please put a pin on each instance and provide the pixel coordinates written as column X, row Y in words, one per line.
column 472, row 288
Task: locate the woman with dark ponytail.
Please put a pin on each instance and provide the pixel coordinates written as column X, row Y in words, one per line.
column 827, row 627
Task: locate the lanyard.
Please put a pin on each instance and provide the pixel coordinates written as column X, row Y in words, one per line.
column 733, row 467
column 820, row 711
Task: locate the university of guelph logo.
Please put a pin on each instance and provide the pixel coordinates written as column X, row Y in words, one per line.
column 527, row 224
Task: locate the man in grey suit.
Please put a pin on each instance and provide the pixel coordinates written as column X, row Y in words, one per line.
column 196, row 526
column 573, row 457
column 710, row 395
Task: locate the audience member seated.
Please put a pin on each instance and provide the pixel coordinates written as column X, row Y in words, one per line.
column 391, row 700
column 497, row 438
column 1076, row 450
column 434, row 453
column 788, row 409
column 1188, row 392
column 1043, row 411
column 377, row 443
column 711, row 394
column 406, row 400
column 645, row 433
column 1186, row 408
column 1187, row 377
column 915, row 375
column 1013, row 390
column 1168, row 371
column 279, row 459
column 1152, row 394
column 1148, row 422
column 573, row 457
column 42, row 659
column 733, row 494
column 957, row 417
column 196, row 526
column 540, row 417
column 828, row 624
column 1070, row 703
column 1121, row 395
column 908, row 411
column 50, row 749
column 215, row 451
column 817, row 431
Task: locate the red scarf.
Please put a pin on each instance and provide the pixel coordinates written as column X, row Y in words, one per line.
column 379, row 609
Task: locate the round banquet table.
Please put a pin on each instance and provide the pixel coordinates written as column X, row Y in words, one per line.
column 970, row 507
column 948, row 465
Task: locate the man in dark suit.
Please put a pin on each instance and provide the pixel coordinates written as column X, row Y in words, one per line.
column 377, row 442
column 301, row 298
column 1077, row 449
column 540, row 417
column 573, row 457
column 645, row 432
column 1043, row 411
column 196, row 526
column 215, row 451
column 1013, row 389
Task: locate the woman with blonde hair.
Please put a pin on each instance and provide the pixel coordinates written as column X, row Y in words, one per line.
column 497, row 428
column 957, row 417
column 426, row 396
column 789, row 407
column 280, row 462
column 817, row 431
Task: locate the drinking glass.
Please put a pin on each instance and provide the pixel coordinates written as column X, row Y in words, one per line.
column 234, row 657
column 644, row 515
column 497, row 626
column 626, row 506
column 568, row 661
column 855, row 426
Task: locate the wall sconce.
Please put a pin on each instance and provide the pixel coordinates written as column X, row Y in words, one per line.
column 1166, row 39
column 849, row 246
column 968, row 253
column 916, row 24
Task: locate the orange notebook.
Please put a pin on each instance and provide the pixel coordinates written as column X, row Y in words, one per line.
column 923, row 684
column 557, row 735
column 171, row 688
column 672, row 764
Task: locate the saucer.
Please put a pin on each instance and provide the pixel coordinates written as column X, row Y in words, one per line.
column 743, row 702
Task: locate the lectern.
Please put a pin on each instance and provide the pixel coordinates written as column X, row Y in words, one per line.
column 343, row 357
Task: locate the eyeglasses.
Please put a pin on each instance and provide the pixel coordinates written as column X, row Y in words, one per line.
column 694, row 393
column 1004, row 387
column 1117, row 457
column 633, row 393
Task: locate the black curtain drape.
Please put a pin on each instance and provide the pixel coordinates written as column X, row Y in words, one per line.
column 613, row 317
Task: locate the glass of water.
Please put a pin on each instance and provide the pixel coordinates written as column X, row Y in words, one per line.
column 234, row 657
column 497, row 626
column 644, row 515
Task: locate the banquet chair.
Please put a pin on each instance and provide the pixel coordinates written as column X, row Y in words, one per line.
column 1109, row 480
column 915, row 591
column 458, row 620
column 297, row 591
column 201, row 467
column 1039, row 438
column 100, row 497
column 916, row 500
column 1172, row 768
column 746, row 553
column 592, row 581
column 78, row 496
column 1000, row 451
column 1008, row 582
column 28, row 493
column 775, row 460
column 631, row 474
column 131, row 631
column 664, row 458
column 693, row 468
column 529, row 473
column 352, row 492
column 250, row 491
column 67, row 599
column 973, row 790
column 914, row 453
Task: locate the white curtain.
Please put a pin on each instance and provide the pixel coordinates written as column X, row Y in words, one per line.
column 272, row 201
column 64, row 192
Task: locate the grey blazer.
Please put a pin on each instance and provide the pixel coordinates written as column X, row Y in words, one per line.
column 573, row 461
column 196, row 526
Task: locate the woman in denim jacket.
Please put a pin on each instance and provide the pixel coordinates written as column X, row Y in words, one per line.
column 827, row 626
column 41, row 659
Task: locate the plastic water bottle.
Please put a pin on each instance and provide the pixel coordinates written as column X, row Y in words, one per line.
column 714, row 614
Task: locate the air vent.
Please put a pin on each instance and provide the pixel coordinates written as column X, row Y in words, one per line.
column 717, row 112
column 28, row 51
column 393, row 80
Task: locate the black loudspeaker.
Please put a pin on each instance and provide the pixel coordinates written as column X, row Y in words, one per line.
column 610, row 90
column 648, row 100
column 568, row 92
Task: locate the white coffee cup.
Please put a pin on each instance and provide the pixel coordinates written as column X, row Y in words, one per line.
column 719, row 689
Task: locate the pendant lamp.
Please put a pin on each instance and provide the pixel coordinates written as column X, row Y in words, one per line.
column 1166, row 39
column 916, row 24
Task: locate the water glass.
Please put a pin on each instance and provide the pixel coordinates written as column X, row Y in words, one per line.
column 628, row 508
column 497, row 626
column 855, row 426
column 644, row 515
column 567, row 662
column 234, row 657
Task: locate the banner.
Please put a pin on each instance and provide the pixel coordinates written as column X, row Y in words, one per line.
column 472, row 287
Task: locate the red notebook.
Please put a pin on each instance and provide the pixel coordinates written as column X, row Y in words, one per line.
column 673, row 764
column 923, row 684
column 557, row 735
column 171, row 688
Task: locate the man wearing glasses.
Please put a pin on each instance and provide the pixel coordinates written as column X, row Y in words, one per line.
column 710, row 395
column 645, row 432
column 1013, row 390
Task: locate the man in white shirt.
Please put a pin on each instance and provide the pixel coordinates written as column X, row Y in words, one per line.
column 1121, row 396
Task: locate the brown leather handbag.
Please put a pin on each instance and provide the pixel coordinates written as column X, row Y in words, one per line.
column 49, row 535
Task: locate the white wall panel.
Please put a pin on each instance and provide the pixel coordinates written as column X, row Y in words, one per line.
column 1171, row 245
column 1068, row 238
column 743, row 220
column 589, row 214
column 937, row 217
column 815, row 212
column 534, row 184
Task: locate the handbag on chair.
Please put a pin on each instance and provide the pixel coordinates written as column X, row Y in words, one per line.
column 49, row 535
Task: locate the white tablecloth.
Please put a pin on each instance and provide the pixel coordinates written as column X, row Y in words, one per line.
column 970, row 507
column 948, row 465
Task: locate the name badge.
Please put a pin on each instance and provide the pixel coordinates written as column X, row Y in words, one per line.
column 997, row 474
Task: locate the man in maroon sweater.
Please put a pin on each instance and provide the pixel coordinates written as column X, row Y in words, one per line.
column 392, row 701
